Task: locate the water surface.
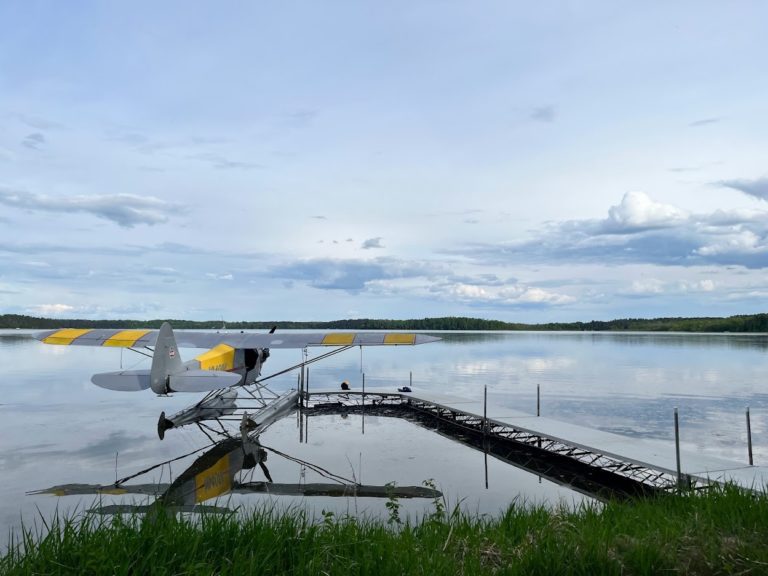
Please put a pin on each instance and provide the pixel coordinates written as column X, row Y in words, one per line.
column 56, row 427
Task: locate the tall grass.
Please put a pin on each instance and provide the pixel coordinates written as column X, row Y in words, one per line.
column 724, row 531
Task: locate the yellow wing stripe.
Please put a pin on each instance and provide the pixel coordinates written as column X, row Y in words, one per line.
column 213, row 481
column 338, row 340
column 113, row 491
column 125, row 338
column 66, row 336
column 221, row 357
column 399, row 338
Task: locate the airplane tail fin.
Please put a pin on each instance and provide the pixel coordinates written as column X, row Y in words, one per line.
column 165, row 361
column 168, row 374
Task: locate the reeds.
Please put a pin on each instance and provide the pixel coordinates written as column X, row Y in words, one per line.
column 723, row 531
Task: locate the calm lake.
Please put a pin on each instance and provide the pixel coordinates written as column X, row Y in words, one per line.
column 56, row 427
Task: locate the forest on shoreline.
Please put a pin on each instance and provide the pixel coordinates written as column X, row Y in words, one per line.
column 743, row 323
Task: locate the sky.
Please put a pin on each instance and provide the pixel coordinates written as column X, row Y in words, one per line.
column 320, row 160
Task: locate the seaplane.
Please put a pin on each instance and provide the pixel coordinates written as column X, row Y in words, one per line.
column 230, row 367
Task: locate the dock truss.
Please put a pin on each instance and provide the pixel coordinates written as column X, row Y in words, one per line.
column 583, row 468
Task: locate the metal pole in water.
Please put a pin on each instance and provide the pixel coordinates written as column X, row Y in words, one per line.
column 749, row 438
column 298, row 385
column 538, row 400
column 306, row 387
column 485, row 432
column 300, row 423
column 410, row 379
column 362, row 408
column 677, row 449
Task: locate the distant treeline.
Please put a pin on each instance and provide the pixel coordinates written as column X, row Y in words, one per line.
column 746, row 323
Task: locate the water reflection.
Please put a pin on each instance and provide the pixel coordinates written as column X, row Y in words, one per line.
column 393, row 459
column 57, row 428
column 227, row 467
column 673, row 339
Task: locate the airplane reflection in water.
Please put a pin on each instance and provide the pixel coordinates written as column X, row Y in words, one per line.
column 217, row 473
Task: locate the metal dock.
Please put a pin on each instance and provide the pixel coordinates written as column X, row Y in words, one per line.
column 589, row 460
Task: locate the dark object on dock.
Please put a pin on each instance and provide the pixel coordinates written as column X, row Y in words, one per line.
column 345, row 385
column 404, row 389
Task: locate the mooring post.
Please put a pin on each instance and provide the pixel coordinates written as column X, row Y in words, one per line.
column 301, row 391
column 300, row 423
column 749, row 438
column 677, row 450
column 538, row 400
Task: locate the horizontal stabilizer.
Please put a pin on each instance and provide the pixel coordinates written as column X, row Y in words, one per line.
column 123, row 381
column 202, row 380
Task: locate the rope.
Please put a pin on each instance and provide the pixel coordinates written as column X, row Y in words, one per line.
column 315, row 468
column 132, row 476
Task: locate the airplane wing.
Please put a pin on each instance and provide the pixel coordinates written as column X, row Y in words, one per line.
column 110, row 337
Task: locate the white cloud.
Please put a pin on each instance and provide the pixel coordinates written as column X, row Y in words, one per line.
column 517, row 294
column 700, row 286
column 640, row 230
column 53, row 309
column 739, row 242
column 638, row 212
column 648, row 287
column 126, row 210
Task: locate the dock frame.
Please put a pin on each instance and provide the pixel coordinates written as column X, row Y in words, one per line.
column 589, row 470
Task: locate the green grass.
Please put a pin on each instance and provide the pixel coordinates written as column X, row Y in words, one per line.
column 722, row 532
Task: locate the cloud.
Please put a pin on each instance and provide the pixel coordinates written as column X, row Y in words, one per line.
column 53, row 309
column 704, row 122
column 653, row 287
column 757, row 188
column 5, row 289
column 33, row 141
column 543, row 114
column 130, row 138
column 696, row 168
column 215, row 276
column 319, row 218
column 220, row 162
column 161, row 271
column 372, row 243
column 38, row 123
column 390, row 277
column 640, row 230
column 351, row 275
column 126, row 210
column 508, row 295
column 302, row 118
column 638, row 212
